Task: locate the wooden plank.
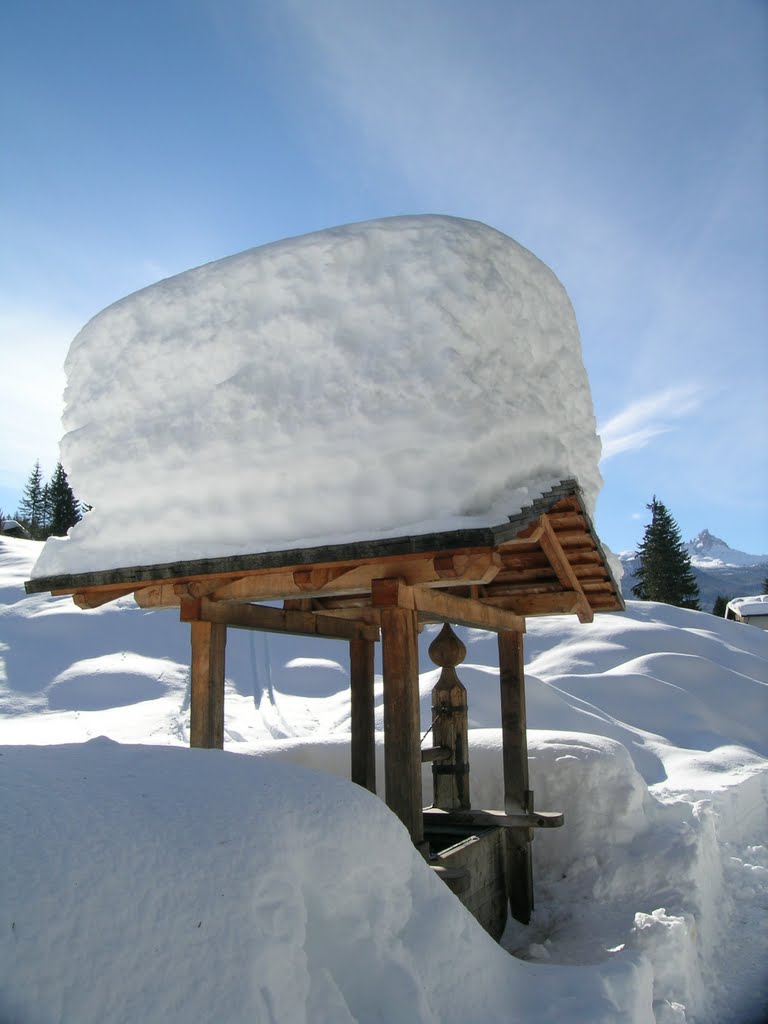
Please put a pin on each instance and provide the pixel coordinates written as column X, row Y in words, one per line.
column 580, row 539
column 494, row 819
column 276, row 620
column 434, row 754
column 402, row 742
column 363, row 725
column 544, row 573
column 551, row 547
column 96, row 598
column 462, row 611
column 562, row 603
column 207, row 685
column 517, row 795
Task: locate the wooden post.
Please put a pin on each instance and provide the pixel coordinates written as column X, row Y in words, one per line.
column 517, row 795
column 363, row 725
column 207, row 692
column 402, row 741
column 450, row 775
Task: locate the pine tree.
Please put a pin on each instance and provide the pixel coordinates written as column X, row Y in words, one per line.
column 46, row 512
column 720, row 605
column 31, row 508
column 765, row 585
column 64, row 506
column 665, row 572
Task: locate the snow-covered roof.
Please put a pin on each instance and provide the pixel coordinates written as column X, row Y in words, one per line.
column 390, row 378
column 756, row 605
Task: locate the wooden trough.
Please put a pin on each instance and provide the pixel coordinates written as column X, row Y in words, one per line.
column 546, row 560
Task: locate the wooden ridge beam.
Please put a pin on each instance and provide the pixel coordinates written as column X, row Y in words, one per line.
column 550, row 545
column 275, row 620
column 460, row 611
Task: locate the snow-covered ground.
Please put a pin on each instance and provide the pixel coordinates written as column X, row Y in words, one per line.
column 143, row 881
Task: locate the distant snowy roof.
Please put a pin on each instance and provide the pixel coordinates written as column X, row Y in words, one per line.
column 394, row 377
column 757, row 605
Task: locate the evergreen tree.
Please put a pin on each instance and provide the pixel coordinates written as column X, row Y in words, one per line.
column 765, row 585
column 720, row 605
column 31, row 508
column 64, row 506
column 47, row 510
column 665, row 572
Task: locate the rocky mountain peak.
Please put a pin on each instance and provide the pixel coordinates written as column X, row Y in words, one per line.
column 705, row 541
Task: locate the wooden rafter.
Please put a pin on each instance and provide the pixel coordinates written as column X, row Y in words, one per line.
column 87, row 599
column 551, row 547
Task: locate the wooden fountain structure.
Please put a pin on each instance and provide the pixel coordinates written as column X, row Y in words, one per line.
column 546, row 560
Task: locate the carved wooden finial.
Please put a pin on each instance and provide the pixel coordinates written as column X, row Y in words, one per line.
column 446, row 650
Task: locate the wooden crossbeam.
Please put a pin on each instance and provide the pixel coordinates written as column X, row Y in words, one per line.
column 275, row 620
column 551, row 547
column 498, row 819
column 441, row 607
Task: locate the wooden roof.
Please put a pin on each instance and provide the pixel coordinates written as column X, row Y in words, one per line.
column 545, row 560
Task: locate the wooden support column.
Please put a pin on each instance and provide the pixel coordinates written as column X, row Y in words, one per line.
column 207, row 692
column 450, row 774
column 402, row 741
column 517, row 795
column 363, row 715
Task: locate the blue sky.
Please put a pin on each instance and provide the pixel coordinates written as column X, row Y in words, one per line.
column 624, row 143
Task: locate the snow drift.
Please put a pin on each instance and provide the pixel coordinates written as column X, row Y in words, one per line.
column 391, row 377
column 648, row 731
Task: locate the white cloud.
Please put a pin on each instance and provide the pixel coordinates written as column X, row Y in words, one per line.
column 647, row 418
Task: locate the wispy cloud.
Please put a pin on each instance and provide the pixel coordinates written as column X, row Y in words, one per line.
column 647, row 418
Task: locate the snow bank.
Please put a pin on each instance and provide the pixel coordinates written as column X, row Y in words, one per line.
column 391, row 377
column 151, row 884
column 648, row 730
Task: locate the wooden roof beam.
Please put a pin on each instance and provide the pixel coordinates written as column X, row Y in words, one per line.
column 430, row 570
column 87, row 599
column 550, row 545
column 442, row 607
column 275, row 620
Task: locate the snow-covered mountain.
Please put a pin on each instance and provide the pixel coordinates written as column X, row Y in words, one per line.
column 720, row 570
column 710, row 552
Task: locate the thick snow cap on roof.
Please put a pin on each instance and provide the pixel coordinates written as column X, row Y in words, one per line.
column 378, row 379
